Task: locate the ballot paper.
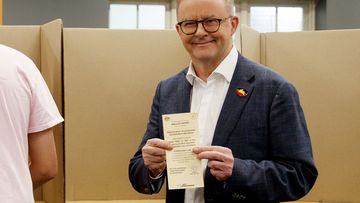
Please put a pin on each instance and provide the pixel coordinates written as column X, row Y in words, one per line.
column 184, row 170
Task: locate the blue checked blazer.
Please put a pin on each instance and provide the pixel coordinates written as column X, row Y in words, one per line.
column 266, row 131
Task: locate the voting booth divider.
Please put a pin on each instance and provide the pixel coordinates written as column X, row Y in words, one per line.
column 103, row 82
column 110, row 77
column 324, row 66
column 43, row 45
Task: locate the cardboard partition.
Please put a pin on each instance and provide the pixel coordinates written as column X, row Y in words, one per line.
column 23, row 38
column 110, row 77
column 250, row 43
column 43, row 45
column 51, row 69
column 324, row 67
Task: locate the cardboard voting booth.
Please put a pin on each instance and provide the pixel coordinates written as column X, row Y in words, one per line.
column 324, row 67
column 110, row 77
column 107, row 79
column 43, row 45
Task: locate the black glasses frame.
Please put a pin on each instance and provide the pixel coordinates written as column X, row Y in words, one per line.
column 202, row 22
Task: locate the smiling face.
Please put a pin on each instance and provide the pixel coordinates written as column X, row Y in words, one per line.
column 203, row 46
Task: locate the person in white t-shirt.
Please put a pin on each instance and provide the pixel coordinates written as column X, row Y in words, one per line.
column 27, row 114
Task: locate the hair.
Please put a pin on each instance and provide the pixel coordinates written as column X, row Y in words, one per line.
column 230, row 4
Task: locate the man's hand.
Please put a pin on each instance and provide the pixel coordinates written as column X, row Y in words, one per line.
column 154, row 155
column 220, row 160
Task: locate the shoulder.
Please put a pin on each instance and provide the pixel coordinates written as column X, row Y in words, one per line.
column 17, row 66
column 261, row 71
column 263, row 77
column 16, row 61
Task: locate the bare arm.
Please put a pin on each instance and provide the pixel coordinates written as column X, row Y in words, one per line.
column 42, row 151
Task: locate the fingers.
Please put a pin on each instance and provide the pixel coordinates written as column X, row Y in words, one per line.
column 157, row 169
column 213, row 153
column 159, row 143
column 154, row 150
column 221, row 170
column 156, row 164
column 220, row 175
column 216, row 165
column 154, row 155
column 220, row 160
column 198, row 150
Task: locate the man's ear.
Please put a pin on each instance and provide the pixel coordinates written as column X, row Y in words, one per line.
column 234, row 24
column 177, row 28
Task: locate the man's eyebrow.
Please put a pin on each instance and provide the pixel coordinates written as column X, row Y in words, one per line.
column 187, row 19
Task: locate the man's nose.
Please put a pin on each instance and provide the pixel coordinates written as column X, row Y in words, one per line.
column 200, row 30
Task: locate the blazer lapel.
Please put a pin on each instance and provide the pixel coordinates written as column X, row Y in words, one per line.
column 234, row 104
column 184, row 90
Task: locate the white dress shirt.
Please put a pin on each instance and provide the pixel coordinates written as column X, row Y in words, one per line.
column 207, row 99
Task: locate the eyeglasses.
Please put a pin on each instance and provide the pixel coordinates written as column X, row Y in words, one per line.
column 210, row 25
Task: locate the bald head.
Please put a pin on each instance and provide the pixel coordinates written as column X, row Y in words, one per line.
column 229, row 4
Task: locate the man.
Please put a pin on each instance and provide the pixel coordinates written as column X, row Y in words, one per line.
column 254, row 143
column 27, row 115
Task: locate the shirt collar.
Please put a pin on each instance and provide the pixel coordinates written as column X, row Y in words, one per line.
column 226, row 68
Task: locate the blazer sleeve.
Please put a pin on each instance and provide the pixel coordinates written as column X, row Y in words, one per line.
column 288, row 173
column 138, row 172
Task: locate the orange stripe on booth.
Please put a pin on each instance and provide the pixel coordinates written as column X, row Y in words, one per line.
column 1, row 12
